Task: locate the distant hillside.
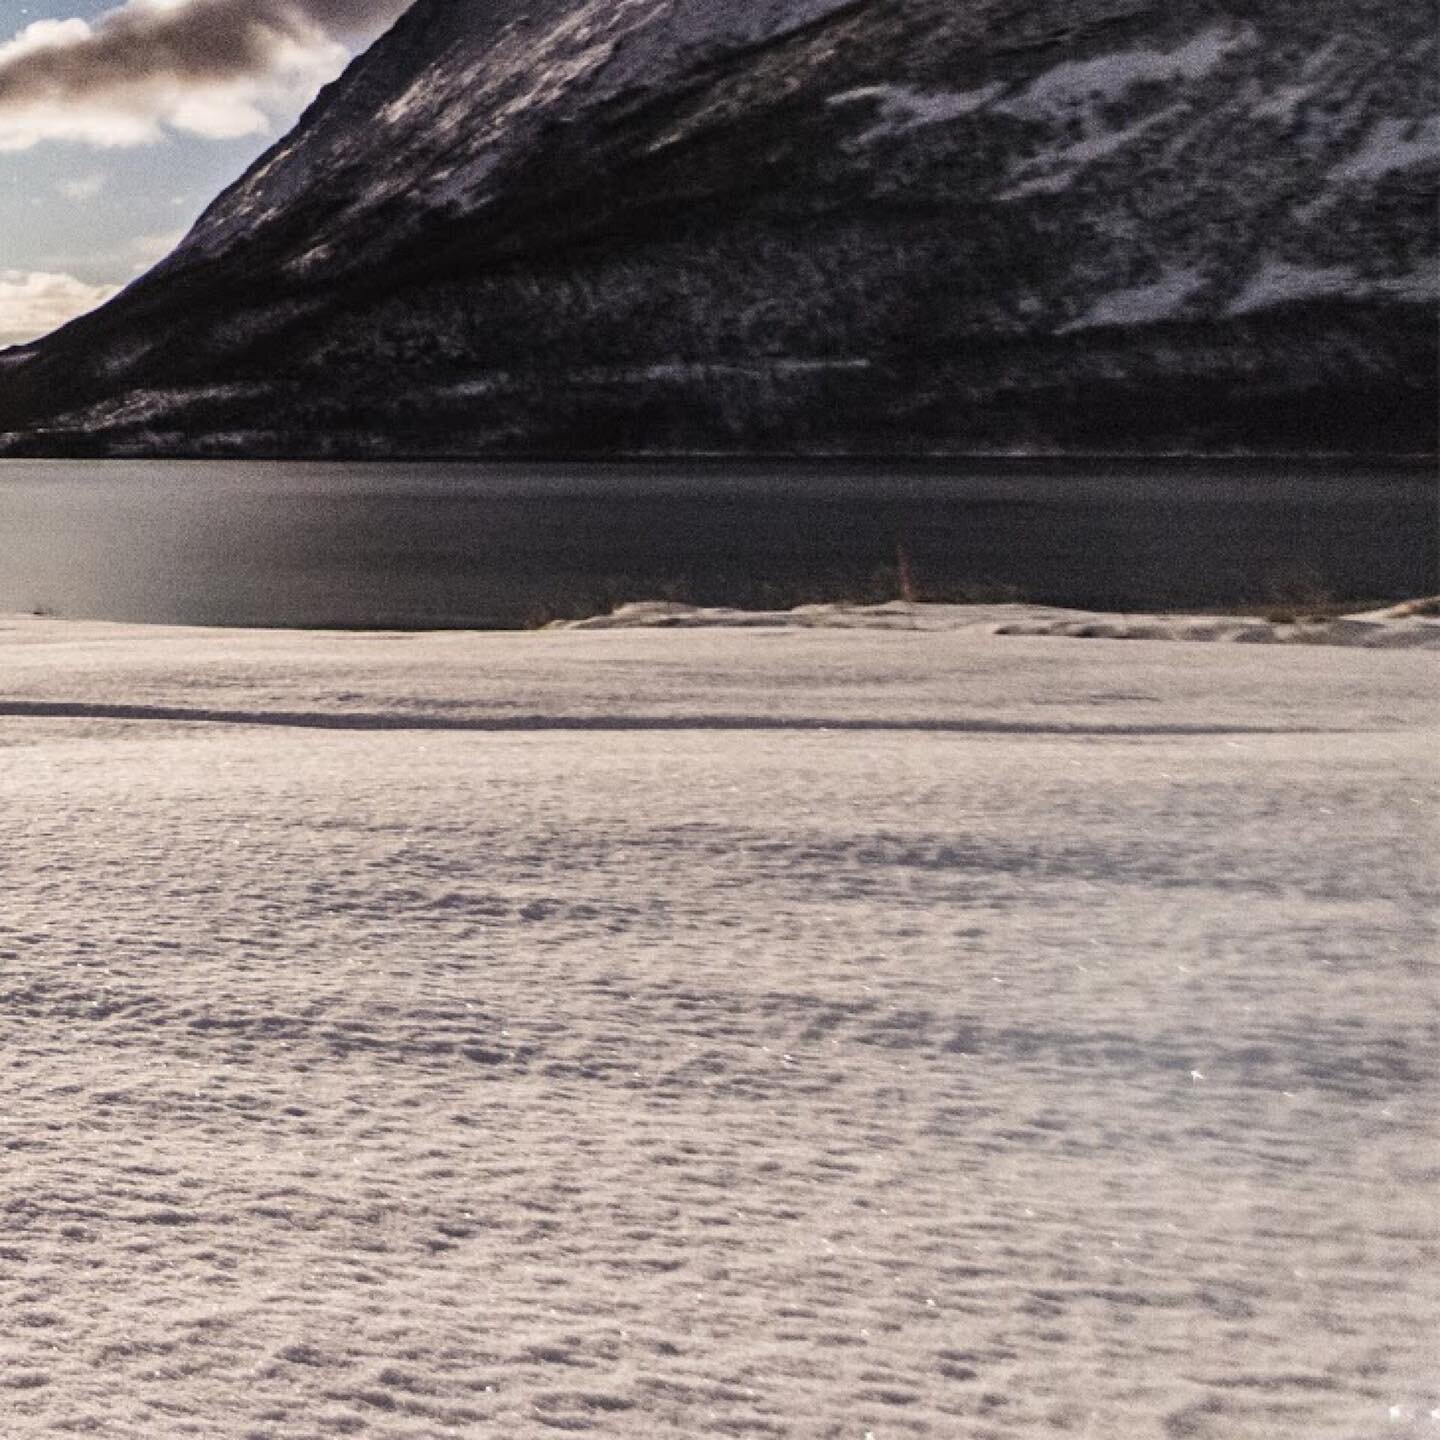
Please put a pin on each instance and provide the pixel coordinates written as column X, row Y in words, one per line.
column 571, row 226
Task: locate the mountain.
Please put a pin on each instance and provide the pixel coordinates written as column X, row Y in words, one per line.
column 619, row 226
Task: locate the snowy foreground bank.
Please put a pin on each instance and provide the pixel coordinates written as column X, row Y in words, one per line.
column 793, row 1031
column 1413, row 625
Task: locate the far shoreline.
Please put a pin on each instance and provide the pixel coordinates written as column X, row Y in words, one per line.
column 1412, row 624
column 839, row 458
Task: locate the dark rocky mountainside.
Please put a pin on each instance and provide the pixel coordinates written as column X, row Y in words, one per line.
column 586, row 226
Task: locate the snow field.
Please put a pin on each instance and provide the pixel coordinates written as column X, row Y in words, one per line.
column 802, row 1033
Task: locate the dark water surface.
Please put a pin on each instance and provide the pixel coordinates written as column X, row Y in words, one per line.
column 434, row 544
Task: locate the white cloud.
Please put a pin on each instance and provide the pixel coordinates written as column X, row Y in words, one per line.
column 218, row 69
column 105, row 127
column 35, row 302
column 44, row 35
column 131, row 114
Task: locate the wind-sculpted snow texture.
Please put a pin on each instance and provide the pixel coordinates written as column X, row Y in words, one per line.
column 876, row 225
column 798, row 1034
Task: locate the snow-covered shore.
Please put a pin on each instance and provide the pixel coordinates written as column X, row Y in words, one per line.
column 1413, row 625
column 800, row 1031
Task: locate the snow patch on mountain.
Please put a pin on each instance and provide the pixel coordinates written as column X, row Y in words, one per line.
column 706, row 24
column 903, row 107
column 1283, row 104
column 1052, row 172
column 1421, row 287
column 1163, row 299
column 1392, row 145
column 1074, row 101
column 143, row 406
column 1279, row 283
column 1077, row 87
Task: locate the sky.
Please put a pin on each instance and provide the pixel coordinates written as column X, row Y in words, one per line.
column 120, row 120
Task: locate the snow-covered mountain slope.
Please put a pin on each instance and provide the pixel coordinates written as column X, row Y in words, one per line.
column 427, row 119
column 628, row 225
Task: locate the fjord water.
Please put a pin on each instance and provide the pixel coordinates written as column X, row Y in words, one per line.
column 500, row 545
